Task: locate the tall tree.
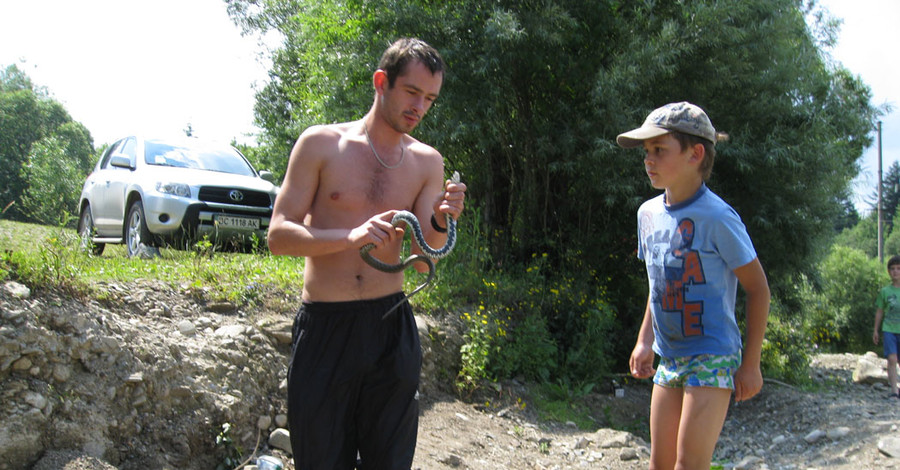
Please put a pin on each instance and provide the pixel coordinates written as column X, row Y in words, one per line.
column 536, row 92
column 890, row 197
column 28, row 115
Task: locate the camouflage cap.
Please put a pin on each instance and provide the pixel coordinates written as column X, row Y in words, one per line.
column 683, row 117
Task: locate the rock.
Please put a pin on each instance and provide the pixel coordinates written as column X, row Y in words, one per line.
column 280, row 439
column 187, row 328
column 263, row 423
column 889, row 446
column 231, row 331
column 618, row 440
column 838, row 432
column 452, row 460
column 35, row 399
column 814, row 436
column 749, row 462
column 629, row 454
column 221, row 307
column 22, row 364
column 870, row 369
column 17, row 290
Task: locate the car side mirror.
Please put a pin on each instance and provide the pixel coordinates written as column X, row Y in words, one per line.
column 267, row 175
column 120, row 161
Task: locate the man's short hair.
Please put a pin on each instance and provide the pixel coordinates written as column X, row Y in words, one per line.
column 406, row 50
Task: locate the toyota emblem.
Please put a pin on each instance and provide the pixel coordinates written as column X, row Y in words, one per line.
column 235, row 195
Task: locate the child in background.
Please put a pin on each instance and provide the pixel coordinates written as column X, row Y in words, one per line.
column 696, row 250
column 888, row 309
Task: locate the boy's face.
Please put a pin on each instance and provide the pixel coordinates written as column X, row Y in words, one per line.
column 894, row 271
column 667, row 165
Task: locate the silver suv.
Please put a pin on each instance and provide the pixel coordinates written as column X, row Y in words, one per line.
column 156, row 192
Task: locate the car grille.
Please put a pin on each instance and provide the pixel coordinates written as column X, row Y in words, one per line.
column 221, row 196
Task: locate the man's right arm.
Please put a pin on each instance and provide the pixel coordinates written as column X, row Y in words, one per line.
column 289, row 234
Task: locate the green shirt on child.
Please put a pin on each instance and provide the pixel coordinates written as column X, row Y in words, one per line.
column 889, row 301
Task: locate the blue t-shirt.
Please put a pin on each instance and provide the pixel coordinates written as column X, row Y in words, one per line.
column 691, row 250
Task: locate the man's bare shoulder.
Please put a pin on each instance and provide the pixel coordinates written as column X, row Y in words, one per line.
column 422, row 149
column 326, row 131
column 321, row 140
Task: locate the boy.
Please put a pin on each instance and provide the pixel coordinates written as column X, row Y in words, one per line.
column 888, row 309
column 696, row 250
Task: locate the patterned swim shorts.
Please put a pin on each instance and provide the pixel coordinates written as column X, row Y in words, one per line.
column 702, row 370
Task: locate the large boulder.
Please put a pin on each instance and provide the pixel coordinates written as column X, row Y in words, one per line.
column 870, row 369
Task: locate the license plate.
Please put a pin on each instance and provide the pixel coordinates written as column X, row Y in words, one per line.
column 241, row 223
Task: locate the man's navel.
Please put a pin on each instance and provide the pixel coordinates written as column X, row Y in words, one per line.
column 335, row 196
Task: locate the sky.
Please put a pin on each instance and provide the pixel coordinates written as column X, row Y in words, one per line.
column 866, row 47
column 156, row 66
column 150, row 67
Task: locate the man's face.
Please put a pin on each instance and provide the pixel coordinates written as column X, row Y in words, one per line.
column 411, row 97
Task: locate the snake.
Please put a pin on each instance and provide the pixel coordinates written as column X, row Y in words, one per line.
column 428, row 255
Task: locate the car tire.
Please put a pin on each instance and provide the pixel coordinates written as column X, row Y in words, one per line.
column 136, row 233
column 86, row 231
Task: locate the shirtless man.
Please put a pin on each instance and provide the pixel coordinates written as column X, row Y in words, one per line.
column 353, row 377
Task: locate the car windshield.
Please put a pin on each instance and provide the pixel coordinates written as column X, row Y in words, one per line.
column 197, row 156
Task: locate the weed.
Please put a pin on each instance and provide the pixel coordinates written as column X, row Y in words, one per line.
column 230, row 454
column 544, row 446
column 474, row 354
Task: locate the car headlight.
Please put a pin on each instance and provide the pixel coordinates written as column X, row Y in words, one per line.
column 177, row 189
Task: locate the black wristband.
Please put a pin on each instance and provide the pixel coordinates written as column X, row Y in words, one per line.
column 437, row 227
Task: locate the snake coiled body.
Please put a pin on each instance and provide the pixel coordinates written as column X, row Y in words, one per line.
column 429, row 252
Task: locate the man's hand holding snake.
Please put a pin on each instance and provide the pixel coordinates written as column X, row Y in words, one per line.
column 377, row 231
column 452, row 201
column 451, row 204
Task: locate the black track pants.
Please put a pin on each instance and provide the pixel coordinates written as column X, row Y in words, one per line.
column 352, row 385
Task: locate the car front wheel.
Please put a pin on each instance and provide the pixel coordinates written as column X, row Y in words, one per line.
column 136, row 232
column 86, row 231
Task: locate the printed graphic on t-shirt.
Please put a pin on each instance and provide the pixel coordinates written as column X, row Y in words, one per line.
column 675, row 266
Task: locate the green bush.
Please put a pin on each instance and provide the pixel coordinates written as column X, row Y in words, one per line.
column 540, row 325
column 786, row 348
column 527, row 349
column 838, row 307
column 863, row 236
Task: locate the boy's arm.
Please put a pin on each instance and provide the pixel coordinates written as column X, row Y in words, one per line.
column 879, row 315
column 748, row 379
column 641, row 361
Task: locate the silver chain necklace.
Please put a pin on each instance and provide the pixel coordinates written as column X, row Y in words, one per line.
column 389, row 167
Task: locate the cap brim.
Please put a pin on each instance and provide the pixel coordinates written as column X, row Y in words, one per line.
column 636, row 137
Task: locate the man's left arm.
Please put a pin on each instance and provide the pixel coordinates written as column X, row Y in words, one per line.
column 438, row 197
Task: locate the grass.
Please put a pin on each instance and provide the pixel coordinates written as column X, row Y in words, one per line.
column 51, row 257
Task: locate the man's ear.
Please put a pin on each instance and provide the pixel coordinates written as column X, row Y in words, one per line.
column 379, row 81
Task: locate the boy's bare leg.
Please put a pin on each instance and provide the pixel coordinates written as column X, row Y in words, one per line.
column 702, row 416
column 665, row 414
